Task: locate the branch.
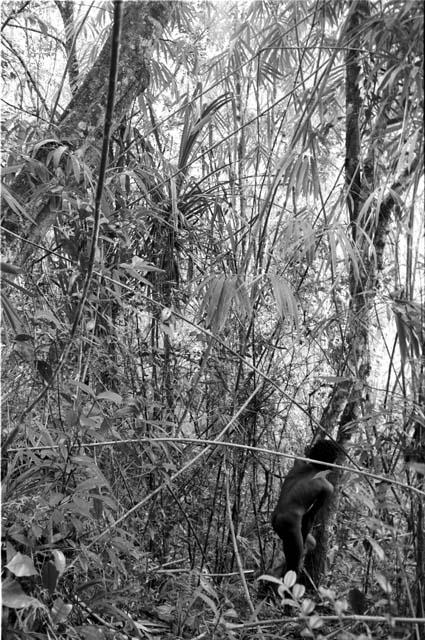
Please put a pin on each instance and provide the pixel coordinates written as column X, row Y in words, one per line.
column 386, row 209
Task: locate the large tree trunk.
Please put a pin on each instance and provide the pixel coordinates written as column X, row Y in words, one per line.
column 344, row 404
column 66, row 9
column 82, row 121
column 81, row 127
column 348, row 400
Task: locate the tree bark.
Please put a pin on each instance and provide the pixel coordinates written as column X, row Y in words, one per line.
column 66, row 9
column 142, row 24
column 368, row 239
column 82, row 121
column 344, row 404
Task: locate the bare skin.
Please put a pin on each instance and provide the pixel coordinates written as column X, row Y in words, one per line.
column 304, row 491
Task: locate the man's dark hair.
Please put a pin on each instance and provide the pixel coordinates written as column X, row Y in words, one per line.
column 323, row 451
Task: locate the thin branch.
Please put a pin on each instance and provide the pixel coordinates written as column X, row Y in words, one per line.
column 22, row 110
column 219, row 82
column 175, row 475
column 236, row 551
column 231, row 445
column 352, row 618
column 41, row 33
column 14, row 14
column 27, row 72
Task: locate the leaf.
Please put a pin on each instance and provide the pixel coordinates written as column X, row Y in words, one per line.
column 43, row 26
column 165, row 612
column 46, row 314
column 167, row 329
column 108, row 500
column 133, row 273
column 377, row 549
column 111, row 396
column 418, row 467
column 383, row 583
column 92, row 423
column 50, row 576
column 191, row 129
column 340, row 606
column 174, row 208
column 328, row 594
column 217, row 302
column 368, row 209
column 285, row 300
column 90, row 632
column 308, row 235
column 97, row 508
column 243, row 298
column 6, row 267
column 60, row 611
column 290, row 579
column 208, row 601
column 42, row 143
column 80, row 506
column 402, row 337
column 307, row 606
column 56, row 155
column 7, row 441
column 59, row 560
column 14, row 204
column 16, row 286
column 10, row 313
column 84, row 387
column 22, row 338
column 207, row 586
column 268, row 578
column 75, row 168
column 13, row 168
column 286, row 601
column 166, row 314
column 315, row 622
column 91, row 483
column 22, row 565
column 298, row 591
column 14, row 597
column 141, row 265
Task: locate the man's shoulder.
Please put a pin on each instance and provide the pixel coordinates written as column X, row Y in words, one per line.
column 301, row 473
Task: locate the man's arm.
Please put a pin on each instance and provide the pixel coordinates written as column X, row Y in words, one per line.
column 322, row 489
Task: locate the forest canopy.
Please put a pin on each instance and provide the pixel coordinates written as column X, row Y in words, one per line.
column 212, row 260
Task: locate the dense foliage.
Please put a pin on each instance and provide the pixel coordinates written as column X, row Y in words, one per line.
column 195, row 286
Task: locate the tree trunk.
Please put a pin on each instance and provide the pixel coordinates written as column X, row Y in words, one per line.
column 344, row 404
column 82, row 121
column 368, row 239
column 66, row 9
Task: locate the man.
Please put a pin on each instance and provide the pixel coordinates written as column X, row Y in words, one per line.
column 304, row 492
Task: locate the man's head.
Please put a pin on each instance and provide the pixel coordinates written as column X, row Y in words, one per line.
column 323, row 451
